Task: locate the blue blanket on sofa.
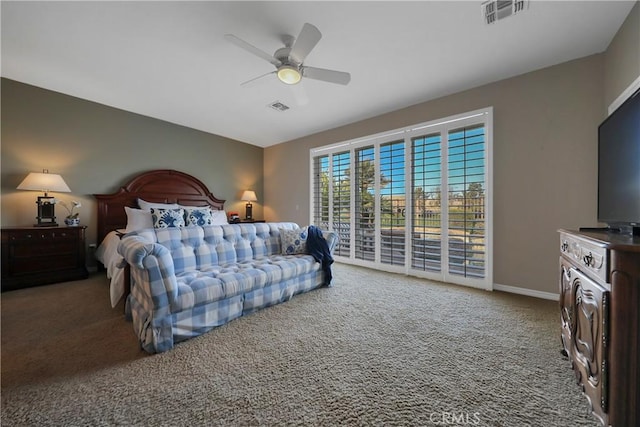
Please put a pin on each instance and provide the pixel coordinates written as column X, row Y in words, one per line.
column 319, row 249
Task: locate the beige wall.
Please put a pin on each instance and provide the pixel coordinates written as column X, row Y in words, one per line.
column 97, row 149
column 622, row 58
column 545, row 146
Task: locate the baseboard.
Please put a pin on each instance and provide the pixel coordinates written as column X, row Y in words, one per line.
column 527, row 292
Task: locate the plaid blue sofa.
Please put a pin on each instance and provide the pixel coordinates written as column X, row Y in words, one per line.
column 186, row 281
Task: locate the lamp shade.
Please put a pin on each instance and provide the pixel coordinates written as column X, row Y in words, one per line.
column 249, row 196
column 43, row 181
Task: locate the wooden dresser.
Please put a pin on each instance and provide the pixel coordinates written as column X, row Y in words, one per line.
column 600, row 320
column 33, row 256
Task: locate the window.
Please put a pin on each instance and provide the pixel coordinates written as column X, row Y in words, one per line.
column 413, row 200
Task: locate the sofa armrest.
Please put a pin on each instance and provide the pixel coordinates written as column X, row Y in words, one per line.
column 332, row 239
column 152, row 269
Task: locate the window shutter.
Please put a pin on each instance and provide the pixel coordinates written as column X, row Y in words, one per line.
column 426, row 228
column 342, row 201
column 321, row 192
column 466, row 207
column 414, row 200
column 393, row 203
column 365, row 208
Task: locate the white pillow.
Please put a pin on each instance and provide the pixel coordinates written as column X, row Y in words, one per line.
column 219, row 218
column 137, row 219
column 146, row 206
column 194, row 207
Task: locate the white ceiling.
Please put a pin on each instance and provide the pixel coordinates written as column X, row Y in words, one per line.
column 170, row 60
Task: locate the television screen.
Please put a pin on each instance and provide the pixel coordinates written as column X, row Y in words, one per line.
column 619, row 165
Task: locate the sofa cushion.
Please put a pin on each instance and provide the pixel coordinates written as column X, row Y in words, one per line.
column 220, row 282
column 201, row 248
column 293, row 241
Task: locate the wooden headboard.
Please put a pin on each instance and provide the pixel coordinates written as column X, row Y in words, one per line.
column 159, row 186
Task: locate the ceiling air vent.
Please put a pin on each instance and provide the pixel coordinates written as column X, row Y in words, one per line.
column 495, row 10
column 278, row 106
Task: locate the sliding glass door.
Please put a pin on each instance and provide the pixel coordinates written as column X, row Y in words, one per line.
column 414, row 200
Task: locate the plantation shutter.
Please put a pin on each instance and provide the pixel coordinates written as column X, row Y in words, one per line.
column 365, row 208
column 415, row 200
column 393, row 203
column 321, row 192
column 466, row 207
column 426, row 173
column 342, row 201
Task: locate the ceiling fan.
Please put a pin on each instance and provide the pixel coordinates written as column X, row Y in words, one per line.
column 289, row 59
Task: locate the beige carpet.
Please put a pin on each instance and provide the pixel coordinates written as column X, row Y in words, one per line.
column 375, row 349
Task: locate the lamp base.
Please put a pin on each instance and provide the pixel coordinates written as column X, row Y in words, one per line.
column 46, row 212
column 248, row 211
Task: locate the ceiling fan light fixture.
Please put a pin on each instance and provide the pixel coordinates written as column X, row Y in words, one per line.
column 289, row 75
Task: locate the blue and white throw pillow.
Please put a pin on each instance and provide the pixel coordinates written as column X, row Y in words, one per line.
column 198, row 216
column 167, row 218
column 293, row 241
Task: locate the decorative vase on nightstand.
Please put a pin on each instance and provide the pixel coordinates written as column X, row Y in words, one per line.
column 73, row 219
column 72, row 222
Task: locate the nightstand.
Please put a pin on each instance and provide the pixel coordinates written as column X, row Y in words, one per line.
column 250, row 221
column 33, row 256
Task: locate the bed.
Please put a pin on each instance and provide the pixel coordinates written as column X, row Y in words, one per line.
column 156, row 186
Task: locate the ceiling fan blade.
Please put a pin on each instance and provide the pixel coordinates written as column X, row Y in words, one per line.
column 306, row 41
column 251, row 83
column 251, row 48
column 330, row 76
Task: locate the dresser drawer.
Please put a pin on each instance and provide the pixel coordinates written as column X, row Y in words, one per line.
column 588, row 255
column 42, row 236
column 44, row 263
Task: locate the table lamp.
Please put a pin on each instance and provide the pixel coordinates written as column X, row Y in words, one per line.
column 45, row 182
column 249, row 196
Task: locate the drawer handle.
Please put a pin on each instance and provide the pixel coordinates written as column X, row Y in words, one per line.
column 588, row 260
column 564, row 246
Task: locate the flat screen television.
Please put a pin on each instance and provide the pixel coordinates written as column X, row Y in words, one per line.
column 619, row 168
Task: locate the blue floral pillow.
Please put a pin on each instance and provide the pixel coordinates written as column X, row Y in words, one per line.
column 293, row 241
column 198, row 216
column 167, row 218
